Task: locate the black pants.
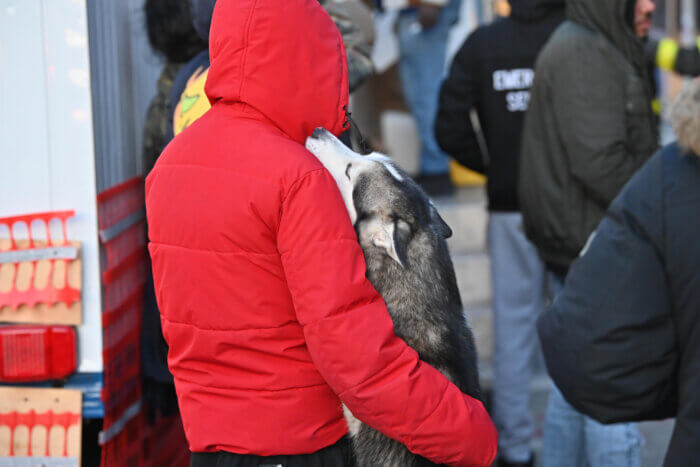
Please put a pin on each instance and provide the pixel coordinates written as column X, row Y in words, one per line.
column 335, row 455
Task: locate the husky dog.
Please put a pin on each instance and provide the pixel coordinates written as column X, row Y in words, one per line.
column 403, row 240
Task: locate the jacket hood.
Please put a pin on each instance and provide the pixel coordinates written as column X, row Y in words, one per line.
column 685, row 117
column 529, row 10
column 609, row 18
column 202, row 11
column 285, row 59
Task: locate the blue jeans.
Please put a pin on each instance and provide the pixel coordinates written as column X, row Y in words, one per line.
column 573, row 439
column 518, row 280
column 421, row 69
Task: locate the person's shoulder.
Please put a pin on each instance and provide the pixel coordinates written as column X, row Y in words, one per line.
column 296, row 161
column 681, row 169
column 483, row 36
column 661, row 187
column 670, row 155
column 485, row 31
column 499, row 25
column 644, row 192
column 277, row 155
column 199, row 61
column 247, row 149
column 676, row 158
column 670, row 162
column 571, row 49
column 567, row 37
column 475, row 46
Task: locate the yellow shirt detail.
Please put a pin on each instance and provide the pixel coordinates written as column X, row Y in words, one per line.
column 193, row 101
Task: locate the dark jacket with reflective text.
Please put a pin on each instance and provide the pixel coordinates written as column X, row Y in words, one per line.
column 492, row 73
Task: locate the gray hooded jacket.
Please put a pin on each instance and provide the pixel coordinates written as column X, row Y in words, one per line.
column 589, row 127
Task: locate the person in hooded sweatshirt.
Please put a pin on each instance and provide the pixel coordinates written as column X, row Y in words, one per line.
column 491, row 75
column 270, row 320
column 588, row 129
column 622, row 341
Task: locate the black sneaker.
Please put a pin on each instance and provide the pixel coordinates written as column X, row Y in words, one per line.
column 436, row 185
column 507, row 463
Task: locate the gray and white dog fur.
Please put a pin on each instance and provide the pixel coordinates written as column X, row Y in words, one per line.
column 403, row 240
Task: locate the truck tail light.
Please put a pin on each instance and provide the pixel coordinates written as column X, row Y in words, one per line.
column 36, row 353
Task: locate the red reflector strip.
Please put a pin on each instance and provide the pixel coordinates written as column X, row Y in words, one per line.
column 24, row 354
column 36, row 353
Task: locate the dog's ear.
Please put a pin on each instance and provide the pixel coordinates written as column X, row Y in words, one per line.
column 439, row 223
column 394, row 240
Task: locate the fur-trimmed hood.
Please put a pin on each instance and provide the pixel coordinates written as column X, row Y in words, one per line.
column 685, row 117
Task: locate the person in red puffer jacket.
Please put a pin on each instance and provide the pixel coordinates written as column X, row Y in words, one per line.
column 259, row 277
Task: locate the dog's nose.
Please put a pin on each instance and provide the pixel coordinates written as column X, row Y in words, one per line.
column 318, row 133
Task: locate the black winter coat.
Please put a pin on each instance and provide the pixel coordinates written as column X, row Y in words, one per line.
column 492, row 73
column 589, row 127
column 622, row 340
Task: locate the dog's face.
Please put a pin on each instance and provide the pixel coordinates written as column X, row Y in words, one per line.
column 387, row 208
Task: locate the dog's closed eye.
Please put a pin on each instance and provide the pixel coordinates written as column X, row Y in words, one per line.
column 347, row 171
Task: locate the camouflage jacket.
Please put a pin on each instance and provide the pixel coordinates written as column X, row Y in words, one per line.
column 158, row 117
column 357, row 45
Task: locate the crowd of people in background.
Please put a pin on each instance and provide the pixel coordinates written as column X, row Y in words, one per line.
column 592, row 228
column 489, row 83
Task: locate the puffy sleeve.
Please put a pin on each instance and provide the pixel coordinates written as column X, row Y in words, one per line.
column 351, row 339
column 609, row 339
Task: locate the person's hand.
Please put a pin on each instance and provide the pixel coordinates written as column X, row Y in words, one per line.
column 428, row 15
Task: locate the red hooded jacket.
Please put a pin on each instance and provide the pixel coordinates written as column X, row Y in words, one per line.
column 258, row 274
